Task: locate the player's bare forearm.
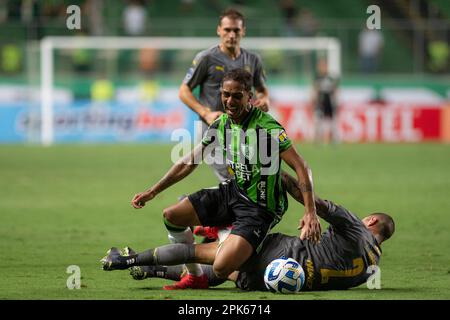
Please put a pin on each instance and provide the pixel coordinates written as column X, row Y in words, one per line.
column 187, row 97
column 309, row 223
column 293, row 188
column 179, row 170
column 304, row 176
column 305, row 185
column 314, row 94
column 262, row 99
column 176, row 173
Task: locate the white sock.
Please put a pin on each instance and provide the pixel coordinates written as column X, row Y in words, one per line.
column 186, row 236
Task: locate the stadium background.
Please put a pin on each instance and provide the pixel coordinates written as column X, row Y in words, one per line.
column 115, row 111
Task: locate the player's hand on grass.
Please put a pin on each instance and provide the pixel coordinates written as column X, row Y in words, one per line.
column 211, row 116
column 310, row 228
column 140, row 199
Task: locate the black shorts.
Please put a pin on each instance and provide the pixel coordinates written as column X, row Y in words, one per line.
column 325, row 110
column 225, row 205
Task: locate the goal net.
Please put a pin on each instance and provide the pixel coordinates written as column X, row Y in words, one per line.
column 122, row 89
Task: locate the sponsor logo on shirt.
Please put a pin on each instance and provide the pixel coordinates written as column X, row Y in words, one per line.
column 189, row 74
column 240, row 170
column 262, row 190
column 309, row 274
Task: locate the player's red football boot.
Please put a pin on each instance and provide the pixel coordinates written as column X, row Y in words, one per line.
column 189, row 281
column 207, row 232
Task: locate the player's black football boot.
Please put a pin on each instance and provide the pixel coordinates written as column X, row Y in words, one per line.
column 140, row 272
column 137, row 272
column 114, row 260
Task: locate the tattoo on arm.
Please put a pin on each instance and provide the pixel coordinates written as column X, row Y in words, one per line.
column 292, row 187
column 294, row 190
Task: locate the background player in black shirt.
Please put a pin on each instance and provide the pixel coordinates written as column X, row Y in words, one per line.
column 324, row 103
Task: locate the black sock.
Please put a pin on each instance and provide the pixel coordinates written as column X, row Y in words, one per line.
column 140, row 259
column 174, row 254
column 213, row 280
column 127, row 261
column 165, row 272
column 145, row 258
column 171, row 254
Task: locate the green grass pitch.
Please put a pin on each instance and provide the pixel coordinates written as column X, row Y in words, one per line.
column 66, row 205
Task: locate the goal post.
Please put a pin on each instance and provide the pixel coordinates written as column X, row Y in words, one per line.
column 48, row 45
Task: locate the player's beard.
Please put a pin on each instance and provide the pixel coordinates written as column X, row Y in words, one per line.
column 236, row 113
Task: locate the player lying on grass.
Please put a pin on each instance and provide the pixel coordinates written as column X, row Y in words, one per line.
column 253, row 144
column 340, row 261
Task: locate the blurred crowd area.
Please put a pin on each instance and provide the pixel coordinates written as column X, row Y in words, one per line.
column 414, row 35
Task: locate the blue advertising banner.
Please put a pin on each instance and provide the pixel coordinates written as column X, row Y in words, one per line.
column 92, row 122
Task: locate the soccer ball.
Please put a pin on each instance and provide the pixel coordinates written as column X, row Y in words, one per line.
column 284, row 275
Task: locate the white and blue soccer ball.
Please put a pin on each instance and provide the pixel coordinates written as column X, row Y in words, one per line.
column 284, row 275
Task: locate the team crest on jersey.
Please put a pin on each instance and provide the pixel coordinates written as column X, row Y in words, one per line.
column 220, row 68
column 247, row 68
column 282, row 136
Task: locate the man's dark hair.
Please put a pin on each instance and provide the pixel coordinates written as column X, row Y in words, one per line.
column 241, row 76
column 387, row 226
column 232, row 14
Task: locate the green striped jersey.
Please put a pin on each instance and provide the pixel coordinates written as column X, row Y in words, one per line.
column 252, row 150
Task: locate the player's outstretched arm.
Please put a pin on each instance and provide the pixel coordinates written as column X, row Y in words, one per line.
column 185, row 94
column 177, row 172
column 293, row 188
column 309, row 224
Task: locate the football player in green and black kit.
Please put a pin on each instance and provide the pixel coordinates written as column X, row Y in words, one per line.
column 252, row 144
column 206, row 73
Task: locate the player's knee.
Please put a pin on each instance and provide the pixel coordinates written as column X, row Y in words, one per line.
column 170, row 216
column 221, row 270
